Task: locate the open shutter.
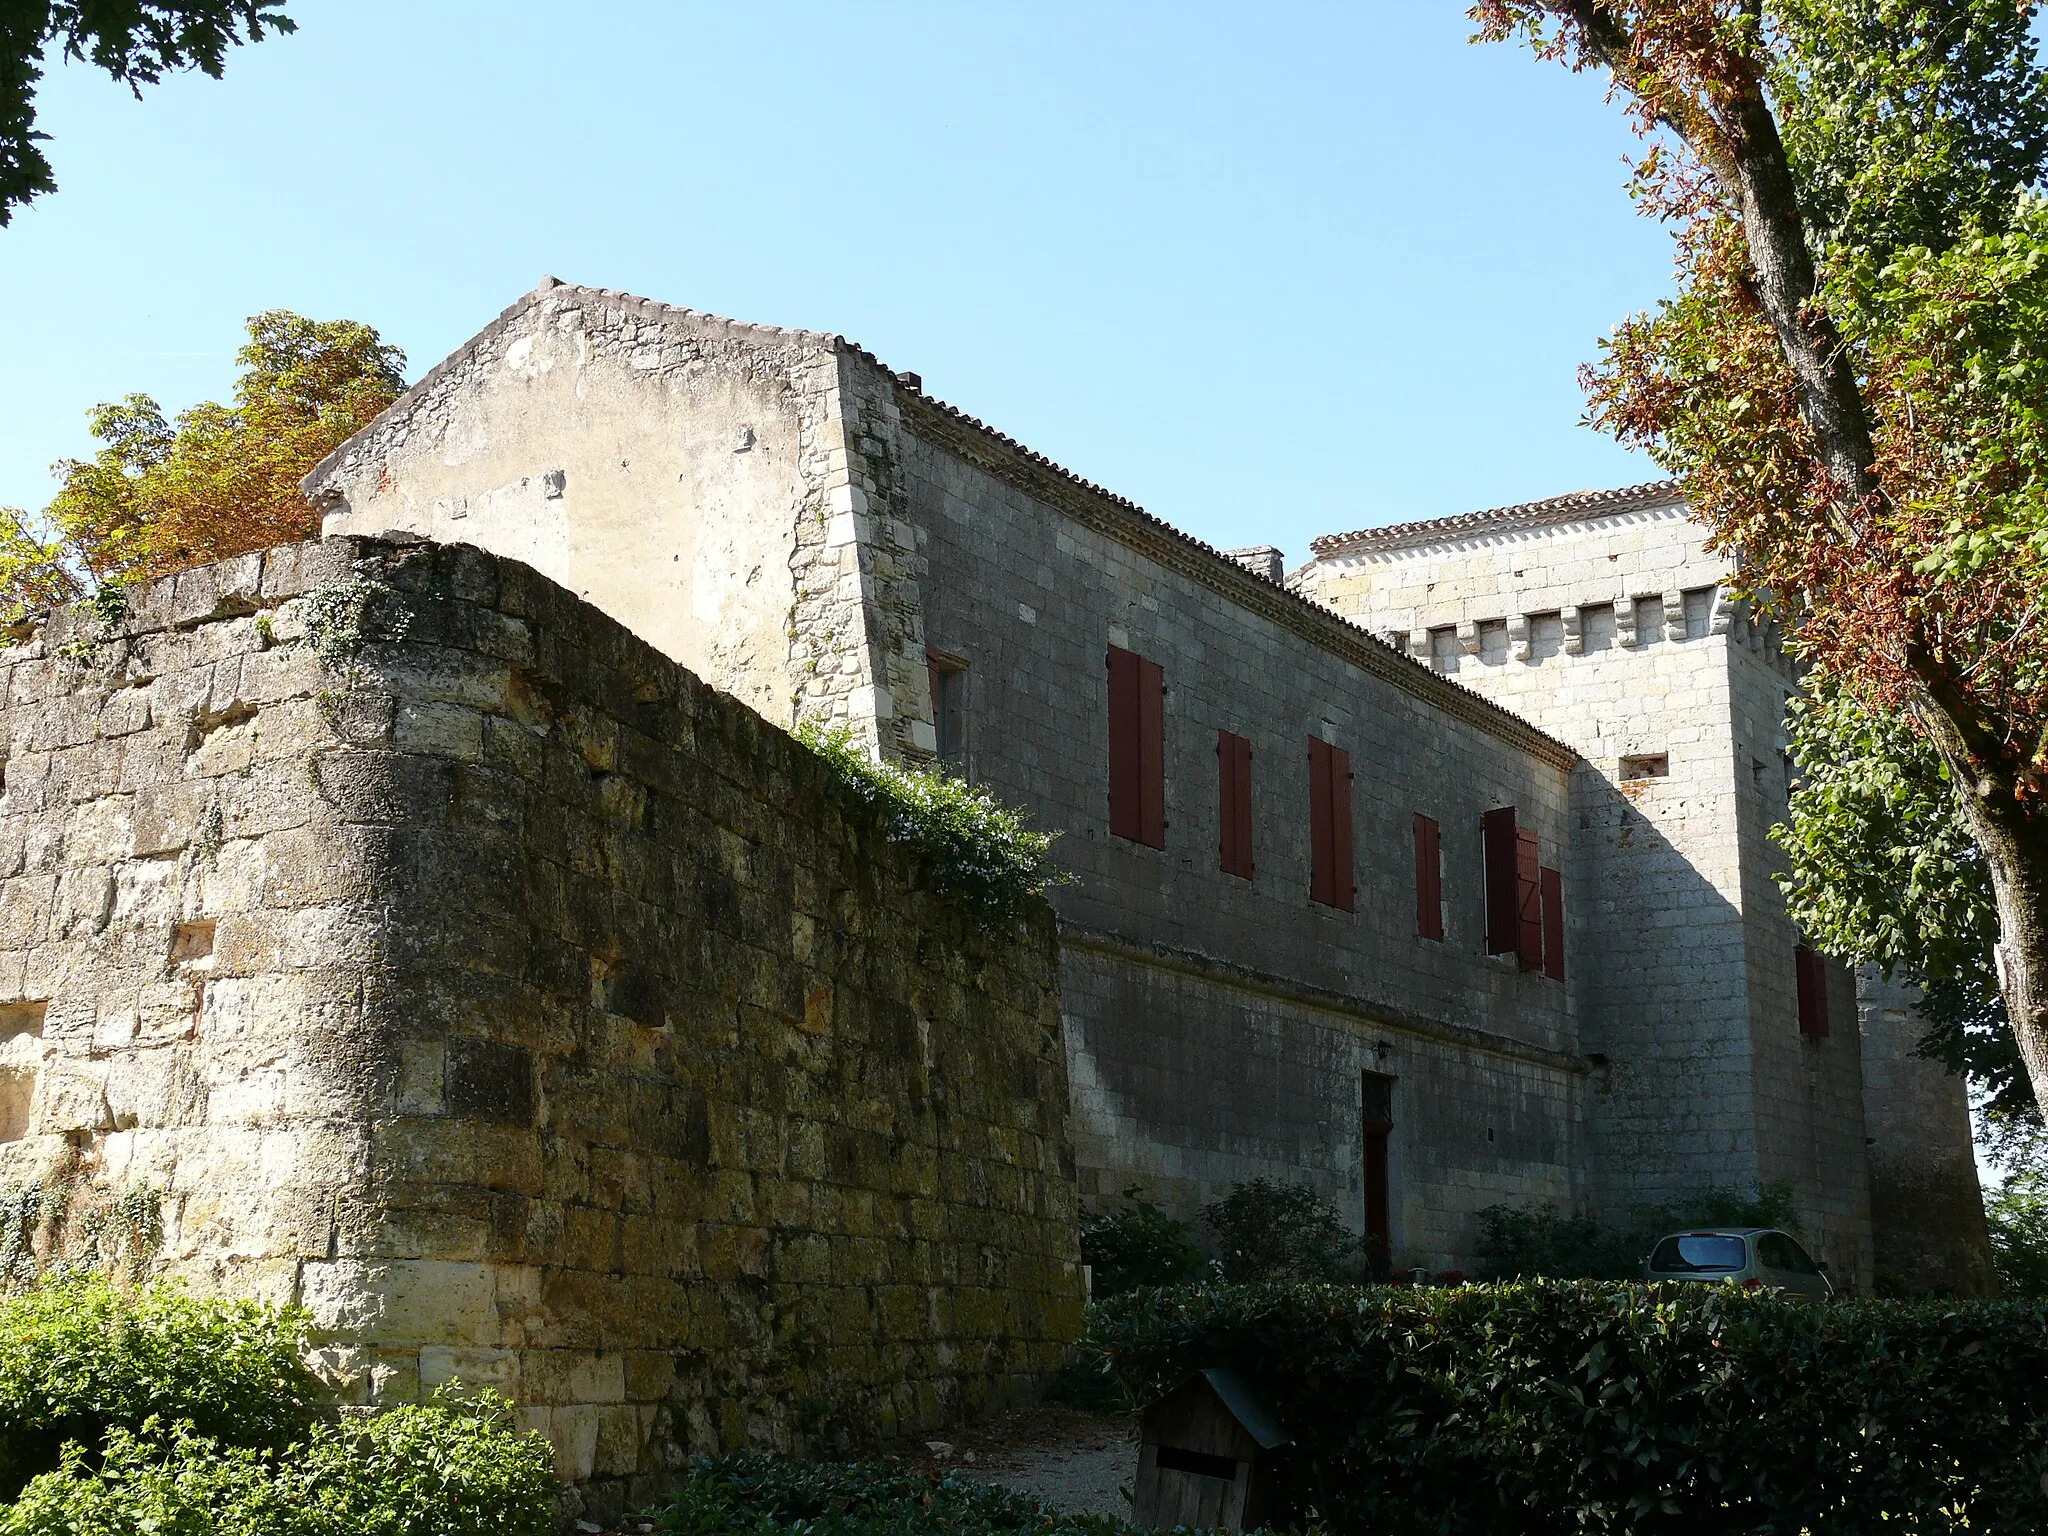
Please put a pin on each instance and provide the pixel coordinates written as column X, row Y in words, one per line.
column 1528, row 900
column 1429, row 878
column 1322, row 883
column 1813, row 991
column 1151, row 753
column 1503, row 903
column 1553, row 925
column 1137, row 748
column 1234, row 803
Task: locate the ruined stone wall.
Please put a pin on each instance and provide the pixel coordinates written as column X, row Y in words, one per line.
column 532, row 1012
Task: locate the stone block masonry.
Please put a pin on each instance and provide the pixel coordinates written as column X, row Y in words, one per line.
column 533, row 1013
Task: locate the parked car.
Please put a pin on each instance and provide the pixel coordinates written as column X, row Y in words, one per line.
column 1752, row 1257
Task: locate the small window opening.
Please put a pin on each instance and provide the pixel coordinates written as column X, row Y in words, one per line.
column 1648, row 765
column 949, row 705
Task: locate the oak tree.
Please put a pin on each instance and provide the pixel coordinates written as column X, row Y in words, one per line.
column 220, row 480
column 138, row 42
column 1852, row 378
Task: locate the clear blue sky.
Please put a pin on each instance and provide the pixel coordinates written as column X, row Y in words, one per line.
column 1270, row 269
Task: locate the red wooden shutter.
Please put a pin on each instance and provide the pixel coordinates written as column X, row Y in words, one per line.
column 1429, row 878
column 1812, row 972
column 1503, row 902
column 1322, row 884
column 1343, row 881
column 1528, row 900
column 1151, row 753
column 1329, row 826
column 1553, row 925
column 1234, row 802
column 1137, row 748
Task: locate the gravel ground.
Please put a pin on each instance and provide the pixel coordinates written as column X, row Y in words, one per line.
column 1073, row 1461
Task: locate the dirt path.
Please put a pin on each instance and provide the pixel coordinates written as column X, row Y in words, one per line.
column 1075, row 1462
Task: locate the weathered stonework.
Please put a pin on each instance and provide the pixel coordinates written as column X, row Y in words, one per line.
column 532, row 1012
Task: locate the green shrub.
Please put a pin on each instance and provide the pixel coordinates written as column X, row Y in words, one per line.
column 79, row 1359
column 973, row 846
column 442, row 1470
column 1136, row 1243
column 1527, row 1242
column 765, row 1496
column 1270, row 1231
column 1547, row 1407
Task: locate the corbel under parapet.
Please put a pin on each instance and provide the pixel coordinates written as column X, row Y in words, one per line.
column 1574, row 630
column 1518, row 636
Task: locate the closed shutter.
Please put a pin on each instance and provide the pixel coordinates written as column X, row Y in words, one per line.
column 1376, row 1127
column 1234, row 803
column 1812, row 975
column 1429, row 878
column 1503, row 903
column 1329, row 826
column 1553, row 925
column 1528, row 900
column 1137, row 748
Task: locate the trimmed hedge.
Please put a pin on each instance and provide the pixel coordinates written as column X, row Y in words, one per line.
column 1556, row 1407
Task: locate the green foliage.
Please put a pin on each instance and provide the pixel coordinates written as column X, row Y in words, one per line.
column 1528, row 1242
column 448, row 1469
column 1266, row 1230
column 79, row 1360
column 1882, row 869
column 2017, row 1214
column 973, row 846
column 136, row 41
column 1908, row 122
column 765, row 1496
column 1134, row 1243
column 1546, row 1407
column 221, row 480
column 337, row 618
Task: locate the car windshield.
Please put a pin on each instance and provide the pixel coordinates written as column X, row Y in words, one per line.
column 1698, row 1253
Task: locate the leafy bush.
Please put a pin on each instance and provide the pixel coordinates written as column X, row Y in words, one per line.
column 1540, row 1406
column 78, row 1360
column 443, row 1470
column 974, row 846
column 1270, row 1231
column 1136, row 1243
column 1525, row 1242
column 764, row 1496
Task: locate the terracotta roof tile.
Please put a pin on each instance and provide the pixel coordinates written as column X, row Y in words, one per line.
column 1529, row 514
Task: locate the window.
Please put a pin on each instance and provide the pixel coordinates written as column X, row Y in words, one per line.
column 1699, row 1253
column 1514, row 889
column 1812, row 977
column 1376, row 1106
column 949, row 705
column 1649, row 765
column 1775, row 1250
column 1429, row 878
column 1553, row 924
column 1329, row 826
column 1137, row 748
column 1234, row 803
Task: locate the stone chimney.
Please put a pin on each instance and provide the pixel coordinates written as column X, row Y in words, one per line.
column 1263, row 559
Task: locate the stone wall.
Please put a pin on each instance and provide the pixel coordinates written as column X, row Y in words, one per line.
column 530, row 1011
column 1218, row 1028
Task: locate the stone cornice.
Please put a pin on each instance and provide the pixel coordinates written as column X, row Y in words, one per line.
column 1244, row 978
